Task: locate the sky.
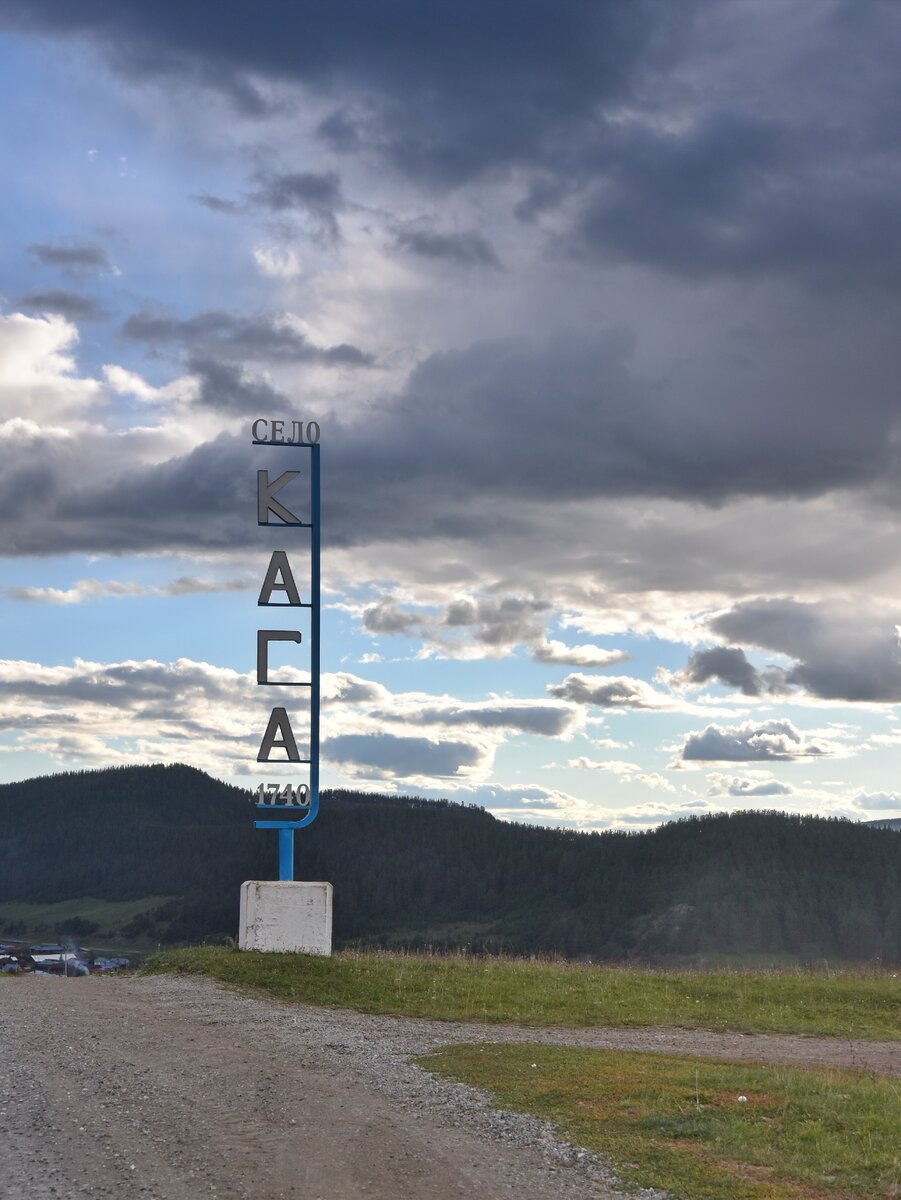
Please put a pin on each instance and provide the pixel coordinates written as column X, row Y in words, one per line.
column 597, row 308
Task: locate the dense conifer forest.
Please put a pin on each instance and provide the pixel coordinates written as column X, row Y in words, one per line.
column 415, row 872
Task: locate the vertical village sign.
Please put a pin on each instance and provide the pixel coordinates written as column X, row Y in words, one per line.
column 287, row 915
column 293, row 807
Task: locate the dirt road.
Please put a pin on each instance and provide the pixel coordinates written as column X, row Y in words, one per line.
column 173, row 1089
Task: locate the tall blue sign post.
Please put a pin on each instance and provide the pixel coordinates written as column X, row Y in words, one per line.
column 288, row 915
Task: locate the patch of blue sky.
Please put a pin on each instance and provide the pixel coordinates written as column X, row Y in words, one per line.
column 523, row 760
column 83, row 159
column 38, row 141
column 467, row 679
column 110, row 628
column 646, row 651
column 17, row 763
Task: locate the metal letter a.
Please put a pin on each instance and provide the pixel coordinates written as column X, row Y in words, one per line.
column 278, row 723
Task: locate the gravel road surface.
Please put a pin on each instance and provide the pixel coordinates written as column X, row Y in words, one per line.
column 174, row 1089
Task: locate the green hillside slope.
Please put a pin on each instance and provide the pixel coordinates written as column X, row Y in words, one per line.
column 415, row 872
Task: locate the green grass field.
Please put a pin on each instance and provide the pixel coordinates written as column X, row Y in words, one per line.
column 845, row 1003
column 679, row 1123
column 107, row 914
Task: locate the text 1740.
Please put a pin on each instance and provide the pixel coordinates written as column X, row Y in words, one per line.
column 285, row 793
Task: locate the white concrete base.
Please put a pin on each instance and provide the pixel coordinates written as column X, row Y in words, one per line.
column 289, row 917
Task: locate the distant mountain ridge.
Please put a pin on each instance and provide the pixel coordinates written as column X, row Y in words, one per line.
column 416, row 872
column 886, row 823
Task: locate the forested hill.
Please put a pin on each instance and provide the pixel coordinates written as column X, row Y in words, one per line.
column 416, row 872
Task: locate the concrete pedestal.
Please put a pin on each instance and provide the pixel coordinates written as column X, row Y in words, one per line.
column 288, row 917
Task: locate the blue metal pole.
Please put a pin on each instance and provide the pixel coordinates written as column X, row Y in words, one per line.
column 286, row 855
column 314, row 631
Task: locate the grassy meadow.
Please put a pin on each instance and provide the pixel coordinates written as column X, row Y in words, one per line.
column 834, row 1003
column 41, row 919
column 703, row 1130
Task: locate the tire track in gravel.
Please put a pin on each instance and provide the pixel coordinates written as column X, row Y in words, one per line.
column 175, row 1089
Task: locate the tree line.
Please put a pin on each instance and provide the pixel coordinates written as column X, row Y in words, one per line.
column 413, row 872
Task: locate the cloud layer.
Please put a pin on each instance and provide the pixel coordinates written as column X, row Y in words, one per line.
column 596, row 307
column 94, row 713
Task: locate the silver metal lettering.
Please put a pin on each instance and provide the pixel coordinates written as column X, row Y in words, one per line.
column 265, row 502
column 287, row 794
column 297, row 431
column 311, row 425
column 278, row 724
column 277, row 427
column 279, row 566
column 253, row 429
column 264, row 637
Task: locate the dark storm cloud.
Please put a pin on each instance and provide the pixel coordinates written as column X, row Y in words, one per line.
column 736, row 195
column 317, row 196
column 444, row 90
column 75, row 258
column 219, row 334
column 80, row 496
column 568, row 419
column 386, row 616
column 477, row 432
column 761, row 742
column 842, row 653
column 340, row 131
column 728, row 664
column 380, row 755
column 227, row 388
column 545, row 720
column 467, row 249
column 499, row 622
column 321, row 193
column 217, row 203
column 472, row 436
column 68, row 304
column 702, row 140
column 211, row 483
